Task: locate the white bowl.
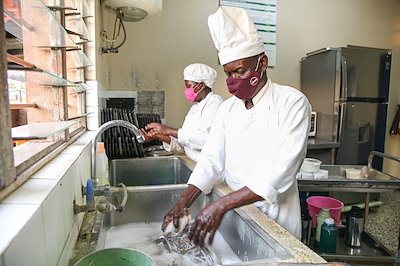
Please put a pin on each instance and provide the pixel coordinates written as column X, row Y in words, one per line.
column 310, row 165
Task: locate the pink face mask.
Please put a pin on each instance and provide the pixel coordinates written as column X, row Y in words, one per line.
column 190, row 94
column 244, row 88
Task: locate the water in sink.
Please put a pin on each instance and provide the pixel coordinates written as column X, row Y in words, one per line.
column 141, row 236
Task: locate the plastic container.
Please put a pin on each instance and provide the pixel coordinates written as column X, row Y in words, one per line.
column 315, row 203
column 306, row 175
column 321, row 174
column 323, row 214
column 310, row 165
column 352, row 173
column 102, row 165
column 116, row 256
column 329, row 234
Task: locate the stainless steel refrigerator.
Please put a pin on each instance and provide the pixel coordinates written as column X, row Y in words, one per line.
column 348, row 87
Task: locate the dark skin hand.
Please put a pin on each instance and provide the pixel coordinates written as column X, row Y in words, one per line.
column 188, row 196
column 209, row 218
column 150, row 137
column 157, row 128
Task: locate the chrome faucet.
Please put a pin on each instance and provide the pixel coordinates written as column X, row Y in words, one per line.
column 104, row 127
column 92, row 189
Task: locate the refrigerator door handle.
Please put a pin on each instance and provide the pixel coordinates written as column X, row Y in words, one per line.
column 343, row 84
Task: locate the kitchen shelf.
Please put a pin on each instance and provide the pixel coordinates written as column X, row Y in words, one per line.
column 40, row 130
column 370, row 251
column 316, row 143
column 376, row 182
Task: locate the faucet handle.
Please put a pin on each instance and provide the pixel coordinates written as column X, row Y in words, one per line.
column 89, row 195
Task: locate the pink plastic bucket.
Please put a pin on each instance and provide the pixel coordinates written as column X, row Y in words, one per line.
column 316, row 203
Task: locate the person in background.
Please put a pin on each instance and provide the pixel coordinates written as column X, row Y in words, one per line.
column 199, row 81
column 258, row 138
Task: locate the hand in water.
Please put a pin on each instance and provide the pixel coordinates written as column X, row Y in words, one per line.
column 207, row 221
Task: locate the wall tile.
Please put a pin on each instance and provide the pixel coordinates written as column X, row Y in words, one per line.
column 54, row 216
column 75, row 148
column 29, row 247
column 93, row 118
column 86, row 138
column 92, row 96
column 68, row 196
column 56, row 168
column 68, row 250
column 34, row 191
column 17, row 216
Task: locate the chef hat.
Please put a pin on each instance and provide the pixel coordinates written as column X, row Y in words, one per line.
column 234, row 34
column 200, row 72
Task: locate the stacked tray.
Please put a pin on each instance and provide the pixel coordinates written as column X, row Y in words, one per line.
column 120, row 142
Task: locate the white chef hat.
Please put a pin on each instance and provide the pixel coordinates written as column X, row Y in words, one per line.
column 200, row 72
column 234, row 34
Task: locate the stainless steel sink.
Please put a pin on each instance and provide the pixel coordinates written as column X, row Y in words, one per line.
column 149, row 171
column 147, row 206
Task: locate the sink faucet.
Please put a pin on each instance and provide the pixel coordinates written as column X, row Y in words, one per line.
column 104, row 127
column 92, row 188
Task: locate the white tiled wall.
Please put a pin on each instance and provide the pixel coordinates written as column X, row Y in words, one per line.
column 29, row 246
column 53, row 218
column 37, row 225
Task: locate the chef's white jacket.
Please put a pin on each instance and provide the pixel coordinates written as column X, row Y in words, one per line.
column 196, row 127
column 261, row 148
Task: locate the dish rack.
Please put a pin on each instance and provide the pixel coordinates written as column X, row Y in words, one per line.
column 119, row 142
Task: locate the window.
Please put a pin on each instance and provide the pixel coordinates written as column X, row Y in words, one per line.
column 46, row 68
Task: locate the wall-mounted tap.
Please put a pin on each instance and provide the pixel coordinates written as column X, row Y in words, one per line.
column 104, row 127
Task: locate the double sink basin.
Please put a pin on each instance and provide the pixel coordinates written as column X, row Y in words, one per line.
column 154, row 186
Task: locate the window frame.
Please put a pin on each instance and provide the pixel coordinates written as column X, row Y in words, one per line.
column 14, row 173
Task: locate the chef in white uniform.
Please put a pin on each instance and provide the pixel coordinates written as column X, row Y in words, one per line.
column 258, row 137
column 199, row 81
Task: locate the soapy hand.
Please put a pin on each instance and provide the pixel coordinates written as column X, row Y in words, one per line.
column 206, row 222
column 171, row 230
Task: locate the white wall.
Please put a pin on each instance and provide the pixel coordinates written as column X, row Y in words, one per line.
column 38, row 225
column 180, row 36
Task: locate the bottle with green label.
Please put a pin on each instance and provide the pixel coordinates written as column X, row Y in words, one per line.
column 328, row 238
column 323, row 214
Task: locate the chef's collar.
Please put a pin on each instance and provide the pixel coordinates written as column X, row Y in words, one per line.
column 261, row 93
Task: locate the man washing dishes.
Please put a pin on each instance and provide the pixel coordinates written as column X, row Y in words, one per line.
column 258, row 137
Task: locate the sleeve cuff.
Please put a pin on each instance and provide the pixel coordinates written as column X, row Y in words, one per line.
column 266, row 191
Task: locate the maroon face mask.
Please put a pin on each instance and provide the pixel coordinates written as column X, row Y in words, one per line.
column 244, row 88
